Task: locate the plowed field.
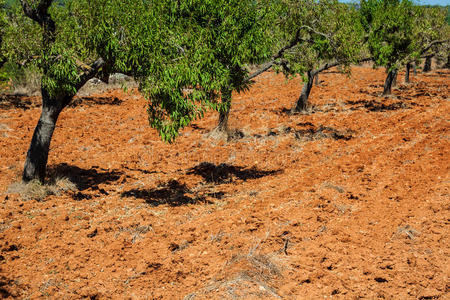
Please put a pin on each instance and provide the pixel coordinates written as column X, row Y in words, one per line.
column 350, row 200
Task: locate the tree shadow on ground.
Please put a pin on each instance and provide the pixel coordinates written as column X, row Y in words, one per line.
column 85, row 178
column 312, row 132
column 8, row 288
column 171, row 193
column 16, row 102
column 376, row 92
column 436, row 74
column 92, row 101
column 225, row 173
column 311, row 109
column 374, row 106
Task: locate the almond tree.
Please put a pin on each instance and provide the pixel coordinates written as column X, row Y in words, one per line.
column 329, row 35
column 3, row 25
column 389, row 25
column 234, row 34
column 431, row 33
column 184, row 55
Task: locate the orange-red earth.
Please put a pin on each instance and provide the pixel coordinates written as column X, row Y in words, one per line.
column 349, row 200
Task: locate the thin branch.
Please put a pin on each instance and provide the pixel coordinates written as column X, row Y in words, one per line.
column 263, row 69
column 38, row 14
column 337, row 63
column 91, row 72
column 279, row 54
column 41, row 15
column 315, row 31
column 294, row 42
column 433, row 43
column 409, row 59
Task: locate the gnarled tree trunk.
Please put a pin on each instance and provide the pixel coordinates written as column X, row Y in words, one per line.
column 427, row 65
column 407, row 71
column 394, row 80
column 222, row 126
column 389, row 81
column 447, row 64
column 302, row 102
column 37, row 155
column 316, row 79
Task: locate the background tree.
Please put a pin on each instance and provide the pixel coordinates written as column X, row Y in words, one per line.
column 21, row 46
column 240, row 35
column 3, row 26
column 329, row 35
column 430, row 33
column 390, row 38
column 2, row 30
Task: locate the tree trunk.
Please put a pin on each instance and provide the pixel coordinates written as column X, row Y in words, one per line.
column 222, row 126
column 447, row 65
column 408, row 69
column 302, row 102
column 316, row 79
column 37, row 155
column 427, row 65
column 415, row 68
column 388, row 83
column 394, row 80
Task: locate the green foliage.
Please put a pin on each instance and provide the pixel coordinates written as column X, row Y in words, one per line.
column 389, row 25
column 183, row 53
column 429, row 27
column 218, row 38
column 3, row 23
column 329, row 32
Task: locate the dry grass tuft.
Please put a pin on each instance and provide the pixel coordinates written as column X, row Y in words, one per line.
column 34, row 190
column 225, row 135
column 252, row 276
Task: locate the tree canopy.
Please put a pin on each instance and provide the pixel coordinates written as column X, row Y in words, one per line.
column 328, row 34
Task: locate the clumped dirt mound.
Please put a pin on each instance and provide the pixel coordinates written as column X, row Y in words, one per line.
column 348, row 200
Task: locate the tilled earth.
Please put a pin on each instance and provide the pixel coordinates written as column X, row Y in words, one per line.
column 349, row 200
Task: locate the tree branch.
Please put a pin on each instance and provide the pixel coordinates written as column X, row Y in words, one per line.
column 314, row 31
column 409, row 59
column 433, row 43
column 90, row 72
column 42, row 17
column 38, row 14
column 337, row 63
column 279, row 54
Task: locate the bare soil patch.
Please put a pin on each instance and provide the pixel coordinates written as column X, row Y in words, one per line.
column 350, row 200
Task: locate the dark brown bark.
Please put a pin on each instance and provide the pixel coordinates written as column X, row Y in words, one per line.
column 389, row 81
column 407, row 71
column 302, row 102
column 52, row 105
column 37, row 155
column 427, row 65
column 222, row 126
column 394, row 80
column 447, row 65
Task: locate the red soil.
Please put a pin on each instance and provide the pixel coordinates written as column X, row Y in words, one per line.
column 348, row 201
